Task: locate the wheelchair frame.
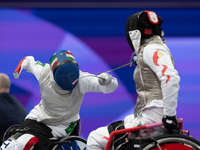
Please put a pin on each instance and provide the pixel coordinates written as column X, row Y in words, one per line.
column 67, row 140
column 156, row 143
column 55, row 144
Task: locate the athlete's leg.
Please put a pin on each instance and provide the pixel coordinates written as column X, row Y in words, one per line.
column 147, row 116
column 25, row 141
column 97, row 139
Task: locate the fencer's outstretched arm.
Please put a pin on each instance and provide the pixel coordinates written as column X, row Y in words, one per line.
column 32, row 66
column 102, row 83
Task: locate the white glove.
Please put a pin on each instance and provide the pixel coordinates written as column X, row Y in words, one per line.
column 22, row 65
column 104, row 79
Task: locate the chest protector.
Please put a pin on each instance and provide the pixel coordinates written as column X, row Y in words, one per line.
column 148, row 86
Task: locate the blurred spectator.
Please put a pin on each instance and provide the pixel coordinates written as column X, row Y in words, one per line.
column 11, row 110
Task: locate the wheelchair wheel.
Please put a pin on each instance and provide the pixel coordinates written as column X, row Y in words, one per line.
column 9, row 131
column 171, row 142
column 70, row 143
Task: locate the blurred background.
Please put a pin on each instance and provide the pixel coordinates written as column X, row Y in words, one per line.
column 94, row 31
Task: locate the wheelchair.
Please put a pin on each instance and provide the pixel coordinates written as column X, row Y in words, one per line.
column 180, row 140
column 68, row 143
column 65, row 143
